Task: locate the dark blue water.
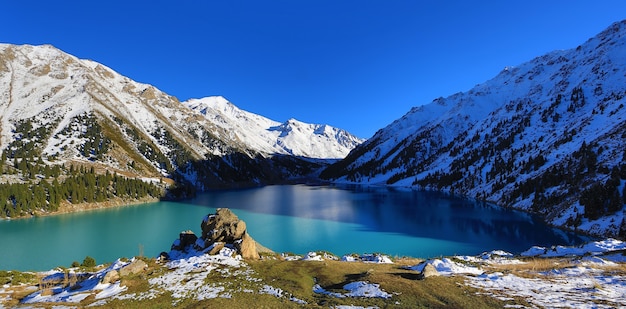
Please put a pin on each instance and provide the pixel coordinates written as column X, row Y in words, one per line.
column 294, row 219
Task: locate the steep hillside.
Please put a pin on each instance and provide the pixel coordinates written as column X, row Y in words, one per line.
column 548, row 136
column 58, row 110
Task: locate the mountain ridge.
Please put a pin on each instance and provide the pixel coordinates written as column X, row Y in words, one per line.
column 558, row 116
column 291, row 137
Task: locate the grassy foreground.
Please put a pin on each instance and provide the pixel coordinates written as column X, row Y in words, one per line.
column 214, row 281
column 296, row 280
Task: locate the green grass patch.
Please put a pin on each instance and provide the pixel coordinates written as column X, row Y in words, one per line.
column 16, row 277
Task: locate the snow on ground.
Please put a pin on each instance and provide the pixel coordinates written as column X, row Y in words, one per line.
column 365, row 258
column 187, row 275
column 368, row 258
column 590, row 283
column 496, row 257
column 62, row 293
column 365, row 289
column 268, row 289
column 592, row 278
column 355, row 289
column 594, row 248
column 578, row 287
column 447, row 267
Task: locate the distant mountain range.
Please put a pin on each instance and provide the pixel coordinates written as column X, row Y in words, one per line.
column 547, row 136
column 263, row 135
column 62, row 109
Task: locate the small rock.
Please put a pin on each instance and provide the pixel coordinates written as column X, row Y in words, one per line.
column 163, row 256
column 110, row 277
column 428, row 271
column 134, row 267
column 187, row 238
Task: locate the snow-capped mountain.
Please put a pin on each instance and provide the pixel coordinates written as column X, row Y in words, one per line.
column 59, row 108
column 548, row 136
column 268, row 136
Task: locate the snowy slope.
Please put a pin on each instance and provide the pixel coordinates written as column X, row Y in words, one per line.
column 61, row 108
column 267, row 136
column 542, row 136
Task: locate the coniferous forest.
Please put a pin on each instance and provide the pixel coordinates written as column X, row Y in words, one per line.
column 35, row 186
column 48, row 187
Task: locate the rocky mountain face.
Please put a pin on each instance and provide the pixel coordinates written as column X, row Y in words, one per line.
column 547, row 136
column 264, row 135
column 58, row 109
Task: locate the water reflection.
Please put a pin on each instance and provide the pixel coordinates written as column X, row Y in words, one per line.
column 413, row 213
column 286, row 219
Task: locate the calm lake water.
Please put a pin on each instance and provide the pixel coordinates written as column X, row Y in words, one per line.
column 294, row 219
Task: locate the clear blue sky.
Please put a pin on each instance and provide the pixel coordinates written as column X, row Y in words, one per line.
column 357, row 65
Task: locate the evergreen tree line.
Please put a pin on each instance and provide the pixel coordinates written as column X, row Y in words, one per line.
column 605, row 198
column 80, row 186
column 30, row 168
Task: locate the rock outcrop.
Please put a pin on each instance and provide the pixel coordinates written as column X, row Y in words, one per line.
column 223, row 226
column 219, row 230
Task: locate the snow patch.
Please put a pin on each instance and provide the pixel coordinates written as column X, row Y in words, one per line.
column 355, row 289
column 594, row 248
column 448, row 267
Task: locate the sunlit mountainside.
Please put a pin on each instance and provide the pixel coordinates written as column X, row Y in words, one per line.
column 264, row 135
column 57, row 111
column 548, row 136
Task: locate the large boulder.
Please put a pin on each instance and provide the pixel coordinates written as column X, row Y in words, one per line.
column 224, row 228
column 219, row 230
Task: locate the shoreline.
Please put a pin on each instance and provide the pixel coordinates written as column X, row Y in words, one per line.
column 498, row 276
column 68, row 208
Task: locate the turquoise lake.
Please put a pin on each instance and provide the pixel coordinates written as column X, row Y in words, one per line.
column 295, row 219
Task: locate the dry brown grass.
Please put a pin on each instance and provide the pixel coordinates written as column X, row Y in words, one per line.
column 532, row 265
column 298, row 277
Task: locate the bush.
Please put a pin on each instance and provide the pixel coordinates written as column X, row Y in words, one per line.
column 75, row 264
column 89, row 262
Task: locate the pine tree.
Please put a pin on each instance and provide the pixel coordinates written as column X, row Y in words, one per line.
column 615, row 202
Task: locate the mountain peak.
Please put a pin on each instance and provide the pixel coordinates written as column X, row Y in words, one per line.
column 264, row 135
